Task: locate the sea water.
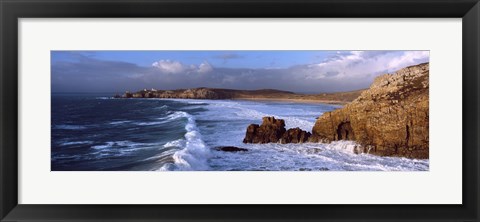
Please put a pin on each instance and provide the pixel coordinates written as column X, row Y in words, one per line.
column 97, row 132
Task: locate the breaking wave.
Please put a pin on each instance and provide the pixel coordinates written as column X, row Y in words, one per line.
column 195, row 153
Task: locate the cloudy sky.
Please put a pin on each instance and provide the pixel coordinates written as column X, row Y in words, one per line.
column 297, row 71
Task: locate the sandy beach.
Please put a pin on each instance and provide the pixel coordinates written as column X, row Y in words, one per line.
column 297, row 100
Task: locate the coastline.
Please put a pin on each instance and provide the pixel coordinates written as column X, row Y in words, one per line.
column 291, row 100
column 295, row 100
column 230, row 130
column 338, row 98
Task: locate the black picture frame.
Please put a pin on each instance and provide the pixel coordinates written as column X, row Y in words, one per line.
column 12, row 10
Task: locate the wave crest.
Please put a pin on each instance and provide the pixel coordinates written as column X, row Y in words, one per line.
column 195, row 153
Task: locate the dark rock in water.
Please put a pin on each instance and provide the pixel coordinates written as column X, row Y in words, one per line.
column 295, row 135
column 251, row 133
column 273, row 131
column 230, row 149
column 270, row 131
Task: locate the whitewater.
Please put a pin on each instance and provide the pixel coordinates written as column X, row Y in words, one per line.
column 224, row 124
column 99, row 133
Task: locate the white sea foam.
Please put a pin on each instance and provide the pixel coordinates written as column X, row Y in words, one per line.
column 107, row 145
column 76, row 143
column 189, row 101
column 227, row 121
column 175, row 143
column 310, row 156
column 302, row 116
column 121, row 148
column 120, row 122
column 344, row 146
column 195, row 153
column 152, row 123
column 162, row 107
column 163, row 120
column 121, row 144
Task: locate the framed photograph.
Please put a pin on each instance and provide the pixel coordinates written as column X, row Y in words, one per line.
column 225, row 110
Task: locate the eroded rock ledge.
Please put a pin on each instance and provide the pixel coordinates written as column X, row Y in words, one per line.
column 391, row 118
column 273, row 131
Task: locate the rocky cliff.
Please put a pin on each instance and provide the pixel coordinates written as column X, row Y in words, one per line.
column 198, row 93
column 391, row 118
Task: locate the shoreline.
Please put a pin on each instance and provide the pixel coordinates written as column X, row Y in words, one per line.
column 337, row 98
column 309, row 101
column 298, row 101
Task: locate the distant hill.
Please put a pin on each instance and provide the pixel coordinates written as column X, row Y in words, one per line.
column 261, row 94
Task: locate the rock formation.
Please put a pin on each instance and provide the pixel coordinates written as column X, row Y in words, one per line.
column 270, row 131
column 273, row 131
column 391, row 118
column 295, row 135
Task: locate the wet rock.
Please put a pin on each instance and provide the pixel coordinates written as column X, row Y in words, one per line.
column 295, row 135
column 251, row 134
column 270, row 131
column 273, row 131
column 230, row 149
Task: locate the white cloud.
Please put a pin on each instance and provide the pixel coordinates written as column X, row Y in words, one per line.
column 408, row 58
column 358, row 64
column 168, row 66
column 175, row 67
column 204, row 67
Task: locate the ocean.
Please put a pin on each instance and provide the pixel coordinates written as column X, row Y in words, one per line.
column 95, row 132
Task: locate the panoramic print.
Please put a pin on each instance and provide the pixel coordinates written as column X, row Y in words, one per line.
column 263, row 110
